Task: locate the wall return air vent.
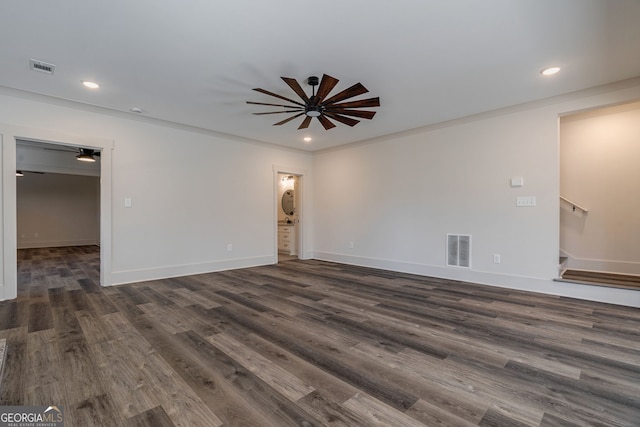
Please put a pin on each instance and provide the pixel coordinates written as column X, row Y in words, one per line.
column 41, row 66
column 459, row 250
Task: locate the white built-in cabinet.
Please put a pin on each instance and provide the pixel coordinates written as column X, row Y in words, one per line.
column 287, row 239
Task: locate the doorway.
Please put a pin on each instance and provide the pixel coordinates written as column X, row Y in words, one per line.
column 9, row 135
column 57, row 215
column 288, row 217
column 599, row 181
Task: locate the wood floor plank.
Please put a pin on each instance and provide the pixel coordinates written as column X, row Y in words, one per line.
column 193, row 297
column 13, row 314
column 207, row 382
column 40, row 316
column 311, row 343
column 264, row 398
column 181, row 404
column 128, row 387
column 43, row 365
column 433, row 415
column 154, row 417
column 15, row 367
column 325, row 356
column 94, row 411
column 165, row 316
column 101, row 303
column 281, row 380
column 93, row 327
column 377, row 414
column 331, row 388
column 451, row 396
column 78, row 363
column 329, row 411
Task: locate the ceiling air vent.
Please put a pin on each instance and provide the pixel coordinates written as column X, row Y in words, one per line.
column 41, row 66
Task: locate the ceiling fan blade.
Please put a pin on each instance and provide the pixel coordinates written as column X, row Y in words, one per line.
column 293, row 84
column 272, row 105
column 276, row 112
column 287, row 120
column 326, row 85
column 326, row 123
column 266, row 92
column 342, row 119
column 355, row 90
column 305, row 123
column 354, row 113
column 370, row 102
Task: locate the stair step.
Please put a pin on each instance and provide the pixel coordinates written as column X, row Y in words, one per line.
column 602, row 278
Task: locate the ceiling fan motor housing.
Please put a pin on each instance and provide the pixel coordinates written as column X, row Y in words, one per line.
column 313, row 110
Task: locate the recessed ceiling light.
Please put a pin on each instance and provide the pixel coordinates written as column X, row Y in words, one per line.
column 90, row 85
column 550, row 71
column 307, row 139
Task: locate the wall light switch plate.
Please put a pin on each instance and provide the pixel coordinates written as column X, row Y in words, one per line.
column 127, row 202
column 517, row 181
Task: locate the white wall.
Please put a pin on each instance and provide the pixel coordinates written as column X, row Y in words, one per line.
column 599, row 154
column 57, row 210
column 397, row 197
column 193, row 192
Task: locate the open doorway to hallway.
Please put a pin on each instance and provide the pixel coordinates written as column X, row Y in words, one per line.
column 599, row 188
column 57, row 217
column 288, row 216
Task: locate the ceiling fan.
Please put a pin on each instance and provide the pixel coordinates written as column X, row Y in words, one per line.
column 82, row 154
column 319, row 106
column 87, row 155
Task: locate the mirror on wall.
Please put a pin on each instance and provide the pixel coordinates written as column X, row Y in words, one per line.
column 287, row 202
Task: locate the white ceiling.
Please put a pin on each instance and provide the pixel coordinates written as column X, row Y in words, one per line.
column 195, row 62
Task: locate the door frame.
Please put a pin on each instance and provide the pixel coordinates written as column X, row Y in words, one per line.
column 301, row 174
column 8, row 137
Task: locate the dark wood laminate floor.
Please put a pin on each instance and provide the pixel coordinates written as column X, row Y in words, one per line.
column 311, row 343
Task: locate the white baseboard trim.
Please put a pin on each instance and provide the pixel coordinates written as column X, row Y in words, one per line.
column 132, row 276
column 34, row 244
column 548, row 286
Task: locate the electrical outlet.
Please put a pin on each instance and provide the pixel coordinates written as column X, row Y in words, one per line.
column 350, row 244
column 229, row 247
column 496, row 258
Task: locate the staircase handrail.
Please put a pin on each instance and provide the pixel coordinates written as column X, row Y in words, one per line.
column 575, row 205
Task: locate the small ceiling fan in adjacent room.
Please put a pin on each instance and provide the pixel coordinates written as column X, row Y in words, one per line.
column 88, row 155
column 320, row 106
column 82, row 154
